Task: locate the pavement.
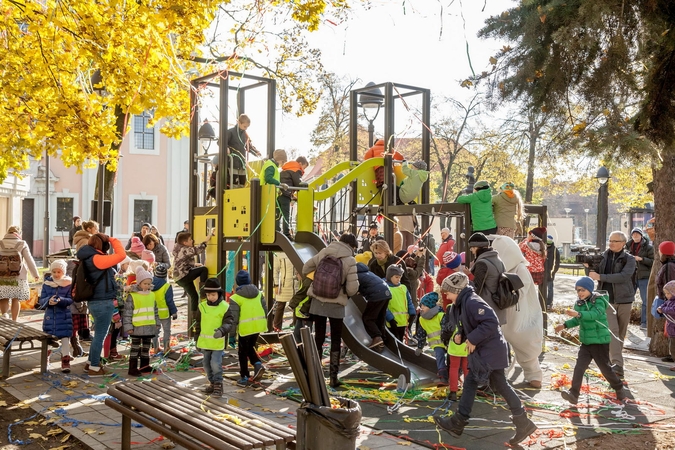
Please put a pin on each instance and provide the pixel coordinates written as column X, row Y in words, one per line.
column 75, row 402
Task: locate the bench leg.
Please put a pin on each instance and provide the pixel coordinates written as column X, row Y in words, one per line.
column 5, row 361
column 43, row 357
column 126, row 433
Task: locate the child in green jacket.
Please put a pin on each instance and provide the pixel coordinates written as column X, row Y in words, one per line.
column 590, row 315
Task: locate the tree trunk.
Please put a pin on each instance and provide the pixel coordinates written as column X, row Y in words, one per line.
column 664, row 204
column 111, row 176
column 533, row 136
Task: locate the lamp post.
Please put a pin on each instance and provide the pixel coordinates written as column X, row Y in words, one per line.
column 567, row 212
column 206, row 136
column 370, row 102
column 603, row 208
column 99, row 88
column 586, row 211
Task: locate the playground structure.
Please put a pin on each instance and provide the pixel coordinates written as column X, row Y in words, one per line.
column 244, row 215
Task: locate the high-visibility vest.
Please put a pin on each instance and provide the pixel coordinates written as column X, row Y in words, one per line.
column 252, row 318
column 398, row 305
column 144, row 309
column 269, row 163
column 457, row 349
column 160, row 298
column 212, row 319
column 433, row 329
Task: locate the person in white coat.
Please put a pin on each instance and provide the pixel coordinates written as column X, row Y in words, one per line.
column 524, row 324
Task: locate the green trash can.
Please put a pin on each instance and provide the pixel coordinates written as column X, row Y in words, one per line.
column 325, row 428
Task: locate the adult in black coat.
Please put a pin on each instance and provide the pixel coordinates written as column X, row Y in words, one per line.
column 551, row 267
column 377, row 295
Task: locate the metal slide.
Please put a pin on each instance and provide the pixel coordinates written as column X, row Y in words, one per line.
column 420, row 370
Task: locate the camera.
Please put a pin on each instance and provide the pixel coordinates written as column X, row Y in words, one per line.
column 590, row 257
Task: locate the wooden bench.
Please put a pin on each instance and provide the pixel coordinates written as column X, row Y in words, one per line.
column 184, row 417
column 16, row 333
column 575, row 268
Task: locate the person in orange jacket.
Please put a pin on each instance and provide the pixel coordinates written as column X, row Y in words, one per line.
column 291, row 175
column 377, row 151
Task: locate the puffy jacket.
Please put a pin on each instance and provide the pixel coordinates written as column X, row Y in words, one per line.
column 284, row 277
column 482, row 217
column 371, row 287
column 668, row 308
column 58, row 320
column 644, row 250
column 96, row 262
column 506, row 209
column 486, row 279
column 350, row 279
column 162, row 255
column 291, row 174
column 622, row 289
column 411, row 186
column 592, row 323
column 447, row 245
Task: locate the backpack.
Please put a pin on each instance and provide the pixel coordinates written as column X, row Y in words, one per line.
column 82, row 288
column 508, row 286
column 328, row 277
column 11, row 260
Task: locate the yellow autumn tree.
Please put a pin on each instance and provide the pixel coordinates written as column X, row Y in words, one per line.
column 145, row 53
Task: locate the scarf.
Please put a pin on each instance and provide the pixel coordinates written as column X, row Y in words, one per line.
column 61, row 282
column 509, row 194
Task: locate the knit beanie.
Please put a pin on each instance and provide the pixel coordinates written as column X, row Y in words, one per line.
column 429, row 300
column 455, row 283
column 59, row 264
column 213, row 285
column 420, row 165
column 667, row 248
column 540, row 232
column 126, row 260
column 242, row 278
column 392, row 270
column 452, row 260
column 670, row 287
column 480, row 185
column 161, row 271
column 148, row 255
column 136, row 263
column 586, row 283
column 136, row 245
column 479, row 240
column 508, row 186
column 142, row 274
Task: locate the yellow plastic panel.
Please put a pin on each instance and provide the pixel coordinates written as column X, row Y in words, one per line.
column 305, row 218
column 268, row 213
column 237, row 213
column 201, row 228
column 366, row 188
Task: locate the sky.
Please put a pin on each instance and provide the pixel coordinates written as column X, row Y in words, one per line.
column 422, row 43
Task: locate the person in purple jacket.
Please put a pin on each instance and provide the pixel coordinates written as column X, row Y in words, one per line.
column 668, row 311
column 479, row 328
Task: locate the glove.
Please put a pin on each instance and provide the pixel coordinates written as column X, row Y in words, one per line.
column 218, row 334
column 418, row 351
column 174, row 317
column 283, row 186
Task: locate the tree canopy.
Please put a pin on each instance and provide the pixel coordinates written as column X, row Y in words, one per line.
column 145, row 54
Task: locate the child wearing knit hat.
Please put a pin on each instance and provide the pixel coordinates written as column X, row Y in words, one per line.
column 667, row 309
column 166, row 307
column 590, row 315
column 141, row 322
column 449, row 265
column 456, row 351
column 667, row 271
column 400, row 307
column 534, row 251
column 431, row 315
column 55, row 299
column 137, row 246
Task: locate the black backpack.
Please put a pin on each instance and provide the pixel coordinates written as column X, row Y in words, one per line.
column 508, row 286
column 82, row 288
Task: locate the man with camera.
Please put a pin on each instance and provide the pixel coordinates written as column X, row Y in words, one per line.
column 615, row 275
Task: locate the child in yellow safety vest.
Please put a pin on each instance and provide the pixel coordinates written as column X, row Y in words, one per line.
column 216, row 320
column 165, row 306
column 458, row 354
column 250, row 315
column 429, row 332
column 400, row 308
column 300, row 303
column 269, row 174
column 141, row 322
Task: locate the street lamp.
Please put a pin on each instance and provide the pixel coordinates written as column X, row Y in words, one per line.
column 370, row 102
column 567, row 212
column 603, row 208
column 586, row 211
column 207, row 135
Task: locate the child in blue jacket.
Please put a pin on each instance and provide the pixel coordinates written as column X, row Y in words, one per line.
column 56, row 299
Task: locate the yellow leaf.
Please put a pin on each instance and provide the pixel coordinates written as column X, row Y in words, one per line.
column 493, row 60
column 578, row 128
column 54, row 432
column 65, row 438
column 233, row 401
column 37, row 436
column 3, row 403
column 377, row 432
column 406, row 443
column 542, row 18
column 89, row 431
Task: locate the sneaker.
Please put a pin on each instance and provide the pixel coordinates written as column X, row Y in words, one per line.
column 259, row 372
column 377, row 341
column 622, row 393
column 97, row 373
column 208, row 389
column 452, row 396
column 570, row 397
column 667, row 359
column 6, row 316
column 243, row 382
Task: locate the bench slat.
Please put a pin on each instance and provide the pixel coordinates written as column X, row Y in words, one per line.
column 182, row 408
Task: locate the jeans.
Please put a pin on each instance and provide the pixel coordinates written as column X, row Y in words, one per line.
column 432, row 267
column 187, row 283
column 213, row 365
column 549, row 293
column 499, row 384
column 102, row 312
column 642, row 287
column 441, row 362
column 600, row 354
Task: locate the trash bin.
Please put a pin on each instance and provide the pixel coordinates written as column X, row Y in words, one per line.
column 326, row 428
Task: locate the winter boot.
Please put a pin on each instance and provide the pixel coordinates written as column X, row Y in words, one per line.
column 452, row 396
column 114, row 356
column 524, row 428
column 334, row 369
column 259, row 371
column 570, row 396
column 65, row 364
column 133, row 368
column 145, row 365
column 217, row 389
column 622, row 393
column 454, row 424
column 208, row 389
column 77, row 347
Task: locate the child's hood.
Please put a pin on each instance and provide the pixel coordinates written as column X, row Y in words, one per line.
column 431, row 312
column 292, row 166
column 248, row 291
column 157, row 283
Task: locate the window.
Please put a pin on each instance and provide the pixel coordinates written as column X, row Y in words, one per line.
column 142, row 213
column 64, row 213
column 144, row 137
